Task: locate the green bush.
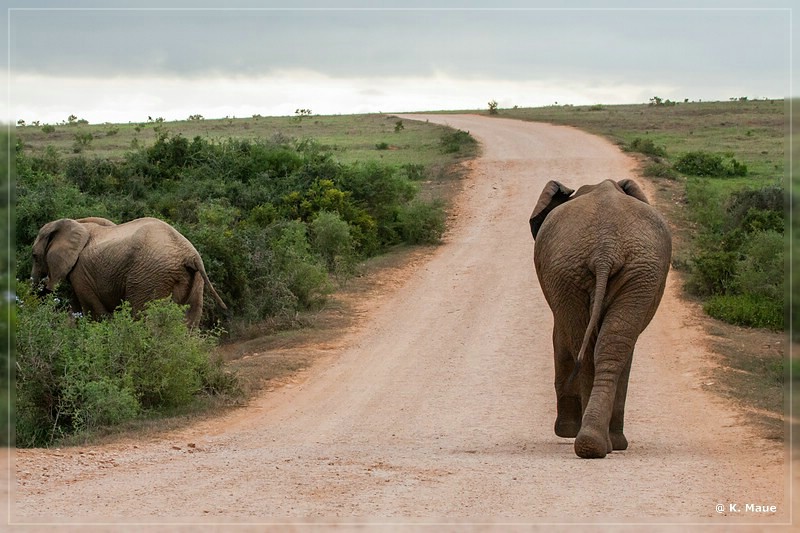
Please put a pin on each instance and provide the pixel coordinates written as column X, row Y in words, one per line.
column 742, row 263
column 747, row 310
column 76, row 375
column 709, row 165
column 647, row 147
column 762, row 271
column 82, row 140
column 379, row 191
column 422, row 222
column 331, row 239
column 766, row 203
column 452, row 142
column 303, row 272
column 660, row 170
column 713, row 272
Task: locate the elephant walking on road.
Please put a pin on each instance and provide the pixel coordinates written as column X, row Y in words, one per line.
column 138, row 261
column 602, row 257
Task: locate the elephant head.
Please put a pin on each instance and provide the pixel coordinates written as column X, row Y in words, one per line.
column 56, row 250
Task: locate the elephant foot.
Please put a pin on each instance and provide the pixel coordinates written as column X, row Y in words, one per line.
column 618, row 441
column 568, row 421
column 590, row 444
column 567, row 428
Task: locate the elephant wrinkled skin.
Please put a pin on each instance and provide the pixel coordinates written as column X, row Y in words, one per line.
column 138, row 261
column 601, row 255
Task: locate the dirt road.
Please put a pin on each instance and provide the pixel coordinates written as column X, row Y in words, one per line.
column 439, row 406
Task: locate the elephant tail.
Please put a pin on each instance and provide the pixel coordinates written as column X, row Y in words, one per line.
column 602, row 273
column 197, row 265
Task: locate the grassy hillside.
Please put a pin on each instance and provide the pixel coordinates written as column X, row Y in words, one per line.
column 350, row 138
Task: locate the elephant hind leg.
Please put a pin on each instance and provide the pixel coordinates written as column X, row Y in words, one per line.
column 568, row 419
column 592, row 444
column 194, row 300
column 615, row 429
column 601, row 428
column 569, row 408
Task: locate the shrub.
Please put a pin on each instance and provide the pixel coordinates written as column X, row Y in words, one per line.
column 414, row 172
column 770, row 198
column 762, row 270
column 93, row 176
column 747, row 310
column 331, row 239
column 709, row 165
column 742, row 262
column 76, row 374
column 647, row 147
column 756, row 220
column 660, row 170
column 452, row 142
column 712, row 272
column 82, row 140
column 302, row 271
column 422, row 222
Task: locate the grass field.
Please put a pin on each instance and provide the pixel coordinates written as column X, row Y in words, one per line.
column 350, row 137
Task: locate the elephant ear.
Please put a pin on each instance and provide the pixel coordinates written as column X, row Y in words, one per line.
column 553, row 195
column 630, row 188
column 65, row 240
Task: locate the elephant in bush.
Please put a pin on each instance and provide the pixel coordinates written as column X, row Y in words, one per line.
column 138, row 261
column 602, row 257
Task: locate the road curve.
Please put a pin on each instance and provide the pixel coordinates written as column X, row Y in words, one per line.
column 439, row 406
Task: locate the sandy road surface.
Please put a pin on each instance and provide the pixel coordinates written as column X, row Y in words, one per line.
column 440, row 405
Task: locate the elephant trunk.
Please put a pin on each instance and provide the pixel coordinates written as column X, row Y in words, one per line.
column 39, row 279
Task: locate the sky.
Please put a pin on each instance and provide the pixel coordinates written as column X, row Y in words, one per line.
column 127, row 61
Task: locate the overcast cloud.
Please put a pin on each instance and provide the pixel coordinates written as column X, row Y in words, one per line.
column 125, row 65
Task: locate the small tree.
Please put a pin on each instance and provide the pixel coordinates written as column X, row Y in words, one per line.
column 301, row 113
column 82, row 140
column 493, row 107
column 332, row 240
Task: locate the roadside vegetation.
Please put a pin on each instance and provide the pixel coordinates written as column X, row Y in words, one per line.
column 7, row 309
column 280, row 221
